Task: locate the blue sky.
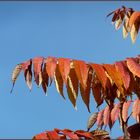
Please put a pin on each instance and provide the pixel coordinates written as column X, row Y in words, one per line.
column 77, row 30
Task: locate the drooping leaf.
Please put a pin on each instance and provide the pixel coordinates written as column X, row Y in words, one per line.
column 125, row 108
column 27, row 68
column 96, row 91
column 92, row 120
column 100, row 118
column 115, row 112
column 45, row 79
column 115, row 76
column 50, row 67
column 133, row 66
column 81, row 72
column 100, row 72
column 72, row 87
column 15, row 74
column 37, row 63
column 59, row 81
column 136, row 110
column 85, row 93
column 106, row 115
column 135, row 17
column 124, row 73
column 64, row 67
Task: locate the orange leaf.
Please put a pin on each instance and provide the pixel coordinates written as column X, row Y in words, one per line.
column 136, row 110
column 115, row 76
column 133, row 66
column 115, row 112
column 64, row 67
column 37, row 63
column 53, row 135
column 125, row 108
column 41, row 136
column 81, row 72
column 26, row 66
column 72, row 87
column 135, row 17
column 59, row 81
column 124, row 73
column 51, row 66
column 45, row 79
column 106, row 115
column 100, row 72
column 85, row 94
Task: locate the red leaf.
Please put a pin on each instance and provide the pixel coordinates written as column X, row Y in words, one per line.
column 85, row 94
column 64, row 67
column 100, row 118
column 136, row 109
column 26, row 66
column 70, row 134
column 38, row 62
column 45, row 79
column 82, row 133
column 96, row 91
column 72, row 87
column 125, row 108
column 133, row 66
column 100, row 72
column 41, row 136
column 53, row 135
column 115, row 112
column 124, row 73
column 81, row 72
column 51, row 66
column 106, row 115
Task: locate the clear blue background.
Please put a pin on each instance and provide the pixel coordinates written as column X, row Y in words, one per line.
column 76, row 30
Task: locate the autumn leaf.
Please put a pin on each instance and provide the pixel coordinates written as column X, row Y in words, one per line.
column 115, row 112
column 133, row 66
column 59, row 81
column 82, row 133
column 85, row 93
column 45, row 79
column 136, row 110
column 111, row 70
column 81, row 72
column 100, row 118
column 64, row 67
column 50, row 67
column 121, row 67
column 37, row 63
column 106, row 115
column 100, row 72
column 53, row 135
column 41, row 136
column 125, row 108
column 15, row 74
column 70, row 134
column 27, row 68
column 72, row 87
column 92, row 120
column 135, row 17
